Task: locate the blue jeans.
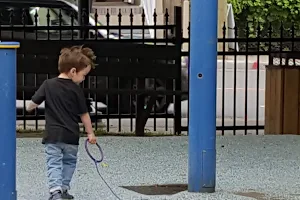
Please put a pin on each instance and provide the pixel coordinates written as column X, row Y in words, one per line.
column 61, row 163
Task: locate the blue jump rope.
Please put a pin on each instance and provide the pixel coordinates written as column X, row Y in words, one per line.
column 96, row 164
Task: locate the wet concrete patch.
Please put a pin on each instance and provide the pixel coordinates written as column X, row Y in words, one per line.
column 262, row 196
column 169, row 189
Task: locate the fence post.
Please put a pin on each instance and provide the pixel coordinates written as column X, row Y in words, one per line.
column 178, row 81
column 83, row 17
column 202, row 96
column 8, row 120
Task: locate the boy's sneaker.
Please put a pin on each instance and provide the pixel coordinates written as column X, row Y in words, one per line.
column 66, row 195
column 56, row 196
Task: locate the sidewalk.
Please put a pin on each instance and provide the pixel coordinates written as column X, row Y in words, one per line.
column 248, row 167
column 240, row 62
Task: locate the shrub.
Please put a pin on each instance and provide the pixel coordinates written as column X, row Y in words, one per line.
column 264, row 12
column 281, row 15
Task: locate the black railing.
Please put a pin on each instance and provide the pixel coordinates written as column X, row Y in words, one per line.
column 139, row 75
column 241, row 74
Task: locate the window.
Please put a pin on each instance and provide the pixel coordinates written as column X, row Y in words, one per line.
column 54, row 16
column 25, row 14
column 12, row 15
column 109, row 0
column 39, row 14
column 113, row 2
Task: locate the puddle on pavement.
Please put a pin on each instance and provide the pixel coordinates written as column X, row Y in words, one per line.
column 260, row 196
column 170, row 189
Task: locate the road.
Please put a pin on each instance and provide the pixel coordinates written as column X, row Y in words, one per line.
column 238, row 92
column 256, row 86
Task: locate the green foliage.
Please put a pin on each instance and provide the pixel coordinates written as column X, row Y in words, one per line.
column 264, row 12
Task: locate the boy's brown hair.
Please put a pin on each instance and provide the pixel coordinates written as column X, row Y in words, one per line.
column 78, row 57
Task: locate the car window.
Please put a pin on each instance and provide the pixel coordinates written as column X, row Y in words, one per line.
column 19, row 14
column 37, row 14
column 54, row 16
column 13, row 15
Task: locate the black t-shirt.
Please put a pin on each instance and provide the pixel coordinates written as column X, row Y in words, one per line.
column 64, row 103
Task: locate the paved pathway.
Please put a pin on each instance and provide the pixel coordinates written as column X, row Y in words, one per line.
column 248, row 167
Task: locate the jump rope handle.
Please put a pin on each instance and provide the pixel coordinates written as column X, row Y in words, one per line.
column 90, row 155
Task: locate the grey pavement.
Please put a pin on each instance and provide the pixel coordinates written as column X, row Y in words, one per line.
column 254, row 86
column 248, row 167
column 235, row 76
column 240, row 62
column 255, row 79
column 238, row 90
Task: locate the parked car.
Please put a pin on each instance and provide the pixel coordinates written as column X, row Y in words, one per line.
column 25, row 14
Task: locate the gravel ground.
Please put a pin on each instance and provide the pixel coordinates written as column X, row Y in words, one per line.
column 260, row 167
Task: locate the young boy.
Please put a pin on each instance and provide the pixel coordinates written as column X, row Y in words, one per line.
column 64, row 103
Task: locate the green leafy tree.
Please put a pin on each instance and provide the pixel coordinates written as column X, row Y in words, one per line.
column 266, row 12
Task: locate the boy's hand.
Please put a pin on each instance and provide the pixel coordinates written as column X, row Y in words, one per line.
column 92, row 138
column 31, row 106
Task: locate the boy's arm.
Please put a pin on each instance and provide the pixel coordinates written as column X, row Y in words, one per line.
column 86, row 121
column 84, row 112
column 37, row 98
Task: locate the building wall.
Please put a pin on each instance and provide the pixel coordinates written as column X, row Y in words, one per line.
column 170, row 4
column 161, row 6
column 185, row 4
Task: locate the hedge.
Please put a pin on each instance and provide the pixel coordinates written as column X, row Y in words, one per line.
column 266, row 12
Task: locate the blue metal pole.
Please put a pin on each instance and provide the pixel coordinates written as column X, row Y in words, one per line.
column 8, row 120
column 202, row 96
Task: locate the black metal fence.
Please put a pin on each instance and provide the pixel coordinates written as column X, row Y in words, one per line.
column 242, row 59
column 136, row 77
column 139, row 78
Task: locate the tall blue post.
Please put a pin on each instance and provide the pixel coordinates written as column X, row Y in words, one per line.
column 8, row 120
column 202, row 96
